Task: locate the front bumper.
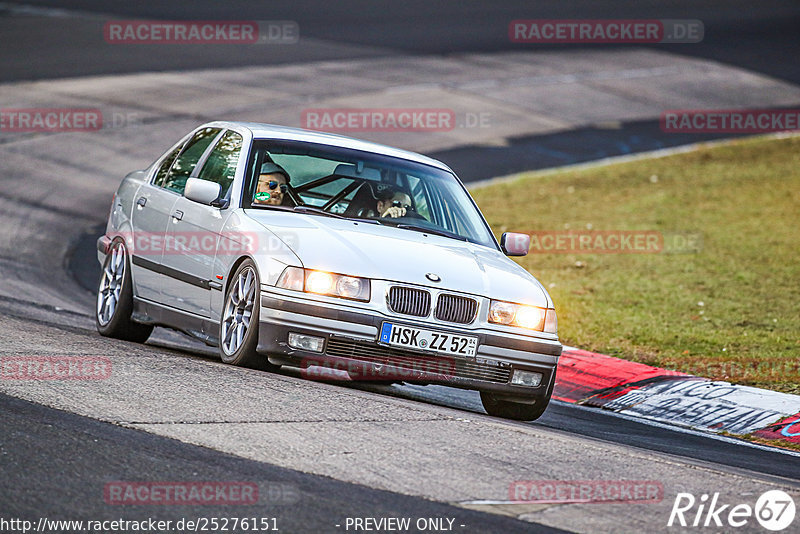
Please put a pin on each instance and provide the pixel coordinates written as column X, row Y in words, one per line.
column 351, row 344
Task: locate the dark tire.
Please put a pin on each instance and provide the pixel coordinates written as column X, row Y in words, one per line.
column 115, row 298
column 238, row 326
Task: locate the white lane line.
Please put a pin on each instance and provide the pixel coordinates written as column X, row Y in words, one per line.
column 40, row 11
column 25, row 9
column 580, row 77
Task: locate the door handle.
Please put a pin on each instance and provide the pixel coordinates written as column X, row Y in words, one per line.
column 141, row 202
column 178, row 215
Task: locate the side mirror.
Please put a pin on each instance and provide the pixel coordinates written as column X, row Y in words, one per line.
column 514, row 244
column 201, row 191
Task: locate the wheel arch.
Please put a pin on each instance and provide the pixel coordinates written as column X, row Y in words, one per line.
column 234, row 266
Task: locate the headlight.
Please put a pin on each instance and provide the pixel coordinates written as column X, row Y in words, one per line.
column 319, row 282
column 531, row 317
column 351, row 287
column 502, row 312
column 324, row 283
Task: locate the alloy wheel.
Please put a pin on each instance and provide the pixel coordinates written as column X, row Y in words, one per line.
column 238, row 311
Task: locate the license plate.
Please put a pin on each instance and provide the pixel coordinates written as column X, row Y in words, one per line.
column 418, row 338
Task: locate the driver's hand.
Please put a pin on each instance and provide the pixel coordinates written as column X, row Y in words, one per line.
column 394, row 212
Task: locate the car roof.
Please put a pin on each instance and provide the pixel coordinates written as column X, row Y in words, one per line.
column 274, row 131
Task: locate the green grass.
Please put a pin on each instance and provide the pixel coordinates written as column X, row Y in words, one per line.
column 743, row 198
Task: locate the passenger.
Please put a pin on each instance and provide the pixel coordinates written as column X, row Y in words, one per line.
column 273, row 183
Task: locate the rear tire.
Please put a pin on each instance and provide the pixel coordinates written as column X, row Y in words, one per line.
column 238, row 328
column 115, row 298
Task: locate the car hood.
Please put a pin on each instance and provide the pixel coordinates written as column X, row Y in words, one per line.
column 388, row 253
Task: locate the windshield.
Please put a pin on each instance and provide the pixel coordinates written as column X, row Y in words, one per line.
column 364, row 186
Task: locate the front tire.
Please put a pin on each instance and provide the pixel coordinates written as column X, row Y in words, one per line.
column 115, row 299
column 238, row 329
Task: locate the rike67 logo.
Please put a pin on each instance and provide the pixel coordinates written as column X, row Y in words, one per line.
column 774, row 510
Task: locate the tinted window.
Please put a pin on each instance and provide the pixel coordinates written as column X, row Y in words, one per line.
column 161, row 175
column 187, row 161
column 221, row 164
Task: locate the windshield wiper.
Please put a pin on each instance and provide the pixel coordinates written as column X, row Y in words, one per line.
column 317, row 211
column 426, row 230
column 366, row 220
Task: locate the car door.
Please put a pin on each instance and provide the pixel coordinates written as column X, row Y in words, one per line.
column 158, row 211
column 195, row 232
column 151, row 212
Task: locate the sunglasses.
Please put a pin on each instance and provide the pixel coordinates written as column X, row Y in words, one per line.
column 273, row 184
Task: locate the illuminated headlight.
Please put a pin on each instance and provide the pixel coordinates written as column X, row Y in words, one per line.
column 324, row 283
column 319, row 282
column 531, row 317
column 526, row 378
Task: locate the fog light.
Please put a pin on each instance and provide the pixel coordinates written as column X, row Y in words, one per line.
column 304, row 342
column 526, row 378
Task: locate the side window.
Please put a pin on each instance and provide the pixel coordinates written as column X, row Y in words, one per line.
column 420, row 197
column 186, row 162
column 161, row 175
column 220, row 166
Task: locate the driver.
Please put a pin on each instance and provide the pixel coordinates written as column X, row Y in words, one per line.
column 393, row 203
column 273, row 182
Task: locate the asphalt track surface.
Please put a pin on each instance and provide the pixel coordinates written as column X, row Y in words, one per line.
column 55, row 461
column 758, row 36
column 64, row 460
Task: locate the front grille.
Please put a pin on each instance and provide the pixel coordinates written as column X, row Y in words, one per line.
column 456, row 309
column 410, row 301
column 457, row 367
